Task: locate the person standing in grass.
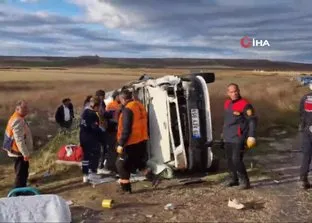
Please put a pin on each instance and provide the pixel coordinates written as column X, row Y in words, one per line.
column 90, row 136
column 65, row 114
column 18, row 143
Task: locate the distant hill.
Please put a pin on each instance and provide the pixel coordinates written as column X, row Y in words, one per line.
column 96, row 61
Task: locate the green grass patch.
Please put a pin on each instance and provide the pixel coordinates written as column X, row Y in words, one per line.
column 45, row 158
column 219, row 177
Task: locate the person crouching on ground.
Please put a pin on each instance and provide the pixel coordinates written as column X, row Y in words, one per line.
column 90, row 139
column 132, row 139
column 18, row 143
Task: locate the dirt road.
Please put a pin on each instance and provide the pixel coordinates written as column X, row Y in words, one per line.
column 275, row 195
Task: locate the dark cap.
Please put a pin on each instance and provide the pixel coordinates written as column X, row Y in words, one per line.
column 126, row 94
column 115, row 94
column 100, row 93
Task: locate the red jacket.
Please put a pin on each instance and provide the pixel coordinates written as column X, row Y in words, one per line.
column 239, row 121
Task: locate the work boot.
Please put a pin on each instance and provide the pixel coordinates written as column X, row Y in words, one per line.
column 245, row 185
column 126, row 188
column 305, row 183
column 233, row 183
column 232, row 180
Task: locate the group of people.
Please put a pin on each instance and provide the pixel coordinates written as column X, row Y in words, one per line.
column 114, row 137
column 98, row 122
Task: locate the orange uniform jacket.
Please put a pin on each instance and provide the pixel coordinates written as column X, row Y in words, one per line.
column 17, row 138
column 132, row 124
column 114, row 106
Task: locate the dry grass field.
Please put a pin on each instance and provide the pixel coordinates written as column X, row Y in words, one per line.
column 274, row 96
column 44, row 89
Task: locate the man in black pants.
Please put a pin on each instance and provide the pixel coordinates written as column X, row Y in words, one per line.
column 132, row 136
column 238, row 132
column 90, row 140
column 18, row 143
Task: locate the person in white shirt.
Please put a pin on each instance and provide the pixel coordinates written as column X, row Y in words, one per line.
column 65, row 114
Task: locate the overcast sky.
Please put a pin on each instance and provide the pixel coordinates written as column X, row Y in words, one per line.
column 157, row 28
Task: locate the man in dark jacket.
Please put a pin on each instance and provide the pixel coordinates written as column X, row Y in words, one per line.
column 90, row 136
column 238, row 133
column 65, row 114
column 305, row 127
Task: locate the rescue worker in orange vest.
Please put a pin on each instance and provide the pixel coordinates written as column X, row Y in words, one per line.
column 18, row 143
column 114, row 105
column 147, row 171
column 132, row 139
column 135, row 97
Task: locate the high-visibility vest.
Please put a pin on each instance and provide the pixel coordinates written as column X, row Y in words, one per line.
column 145, row 124
column 139, row 131
column 9, row 143
column 114, row 106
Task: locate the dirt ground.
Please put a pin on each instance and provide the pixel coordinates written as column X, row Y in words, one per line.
column 275, row 195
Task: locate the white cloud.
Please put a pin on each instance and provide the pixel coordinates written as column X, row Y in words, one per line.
column 106, row 13
column 206, row 28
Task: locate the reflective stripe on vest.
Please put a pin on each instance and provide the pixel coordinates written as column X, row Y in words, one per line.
column 139, row 124
column 9, row 143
